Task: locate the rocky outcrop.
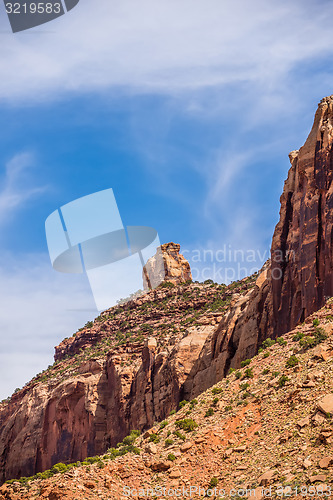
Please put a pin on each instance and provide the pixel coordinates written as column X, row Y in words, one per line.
column 94, row 395
column 253, row 413
column 138, row 360
column 238, row 336
column 302, row 246
column 299, row 276
column 167, row 265
column 86, row 414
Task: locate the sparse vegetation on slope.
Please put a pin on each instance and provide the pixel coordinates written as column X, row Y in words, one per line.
column 284, row 418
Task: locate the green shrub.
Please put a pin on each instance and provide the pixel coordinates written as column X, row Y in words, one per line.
column 298, row 336
column 60, row 467
column 215, row 401
column 166, row 284
column 281, row 341
column 154, row 438
column 179, row 435
column 187, row 424
column 238, row 374
column 209, row 412
column 245, row 362
column 163, row 424
column 260, row 350
column 168, row 442
column 275, row 374
column 213, row 482
column 231, row 370
column 246, row 395
column 172, row 412
column 282, row 380
column 315, row 322
column 171, row 457
column 266, row 354
column 265, row 371
column 130, row 439
column 320, row 335
column 228, row 408
column 183, row 403
column 268, row 343
column 248, row 373
column 244, row 386
column 292, row 361
column 307, row 342
column 130, row 449
column 217, row 390
column 193, row 403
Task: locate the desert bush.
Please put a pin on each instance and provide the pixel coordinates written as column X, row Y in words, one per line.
column 213, row 482
column 248, row 373
column 154, row 438
column 217, row 390
column 282, row 380
column 268, row 343
column 187, row 424
column 292, row 361
column 179, row 435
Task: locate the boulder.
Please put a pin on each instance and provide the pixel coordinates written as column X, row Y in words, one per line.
column 326, row 404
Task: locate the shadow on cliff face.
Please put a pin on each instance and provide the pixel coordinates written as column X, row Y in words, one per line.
column 87, row 414
column 236, row 338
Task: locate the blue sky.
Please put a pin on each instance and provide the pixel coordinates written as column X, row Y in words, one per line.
column 187, row 112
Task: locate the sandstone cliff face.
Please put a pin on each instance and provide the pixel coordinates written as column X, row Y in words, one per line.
column 238, row 336
column 302, row 246
column 86, row 414
column 299, row 276
column 167, row 265
column 229, row 418
column 138, row 360
column 136, row 365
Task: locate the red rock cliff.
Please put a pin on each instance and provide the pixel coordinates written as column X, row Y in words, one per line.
column 118, row 377
column 302, row 246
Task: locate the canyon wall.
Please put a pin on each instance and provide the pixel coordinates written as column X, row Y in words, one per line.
column 195, row 334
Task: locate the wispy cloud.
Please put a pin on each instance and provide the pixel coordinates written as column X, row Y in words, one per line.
column 39, row 307
column 18, row 185
column 166, row 46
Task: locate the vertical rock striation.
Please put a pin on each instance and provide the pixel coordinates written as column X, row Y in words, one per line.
column 131, row 385
column 302, row 246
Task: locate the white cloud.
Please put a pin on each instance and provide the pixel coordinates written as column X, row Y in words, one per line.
column 17, row 185
column 176, row 47
column 39, row 308
column 167, row 46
